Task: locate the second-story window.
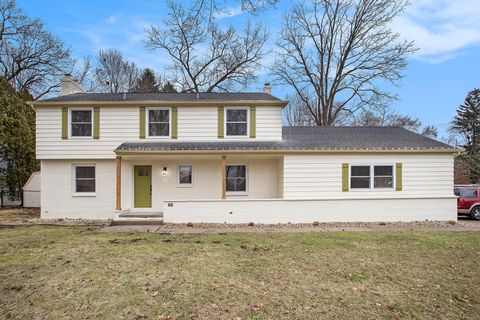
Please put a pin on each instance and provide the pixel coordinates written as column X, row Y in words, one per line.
column 81, row 123
column 236, row 121
column 158, row 120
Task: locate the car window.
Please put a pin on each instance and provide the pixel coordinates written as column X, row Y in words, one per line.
column 469, row 193
column 456, row 191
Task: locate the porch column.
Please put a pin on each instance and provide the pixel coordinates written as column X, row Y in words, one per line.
column 118, row 195
column 224, row 177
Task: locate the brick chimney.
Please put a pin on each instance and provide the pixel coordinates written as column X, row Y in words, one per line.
column 69, row 86
column 267, row 88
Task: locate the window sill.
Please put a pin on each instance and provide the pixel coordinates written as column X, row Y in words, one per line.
column 184, row 185
column 84, row 194
column 371, row 189
column 159, row 137
column 237, row 193
column 80, row 138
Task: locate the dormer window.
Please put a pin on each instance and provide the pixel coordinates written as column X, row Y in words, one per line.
column 81, row 123
column 158, row 120
column 236, row 122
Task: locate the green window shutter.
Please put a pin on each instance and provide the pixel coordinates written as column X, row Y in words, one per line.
column 142, row 122
column 220, row 117
column 174, row 122
column 345, row 177
column 64, row 123
column 96, row 123
column 253, row 122
column 398, row 177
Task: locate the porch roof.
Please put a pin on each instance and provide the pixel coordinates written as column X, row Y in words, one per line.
column 298, row 139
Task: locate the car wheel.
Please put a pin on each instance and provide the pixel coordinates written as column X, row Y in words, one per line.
column 475, row 214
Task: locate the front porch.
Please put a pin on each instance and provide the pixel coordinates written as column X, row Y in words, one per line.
column 143, row 195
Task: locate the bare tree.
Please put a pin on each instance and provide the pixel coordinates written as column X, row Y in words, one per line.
column 204, row 56
column 83, row 73
column 296, row 113
column 385, row 117
column 251, row 6
column 430, row 132
column 334, row 53
column 31, row 58
column 113, row 73
column 256, row 6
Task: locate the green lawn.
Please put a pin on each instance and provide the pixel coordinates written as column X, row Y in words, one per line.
column 76, row 272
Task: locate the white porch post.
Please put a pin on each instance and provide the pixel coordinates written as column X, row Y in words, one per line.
column 118, row 193
column 224, row 182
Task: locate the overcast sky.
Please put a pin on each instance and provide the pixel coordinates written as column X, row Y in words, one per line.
column 437, row 80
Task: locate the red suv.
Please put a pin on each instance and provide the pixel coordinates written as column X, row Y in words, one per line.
column 468, row 202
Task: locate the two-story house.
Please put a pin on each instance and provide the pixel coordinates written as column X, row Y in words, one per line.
column 224, row 157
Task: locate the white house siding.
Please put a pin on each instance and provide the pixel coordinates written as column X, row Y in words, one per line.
column 280, row 178
column 312, row 190
column 198, row 124
column 121, row 124
column 117, row 125
column 269, row 123
column 320, row 176
column 207, row 179
column 58, row 201
column 308, row 211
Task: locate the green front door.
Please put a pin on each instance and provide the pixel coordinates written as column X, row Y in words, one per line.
column 143, row 186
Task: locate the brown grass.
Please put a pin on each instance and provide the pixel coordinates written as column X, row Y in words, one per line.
column 14, row 214
column 78, row 273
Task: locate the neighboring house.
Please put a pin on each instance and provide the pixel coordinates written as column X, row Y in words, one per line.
column 224, row 157
column 31, row 191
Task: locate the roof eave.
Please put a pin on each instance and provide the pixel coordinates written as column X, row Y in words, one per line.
column 174, row 103
column 284, row 151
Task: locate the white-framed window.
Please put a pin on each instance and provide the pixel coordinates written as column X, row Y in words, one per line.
column 236, row 178
column 80, row 122
column 383, row 177
column 380, row 176
column 159, row 122
column 237, row 121
column 84, row 182
column 185, row 175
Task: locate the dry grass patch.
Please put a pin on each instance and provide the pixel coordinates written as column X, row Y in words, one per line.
column 60, row 272
column 14, row 214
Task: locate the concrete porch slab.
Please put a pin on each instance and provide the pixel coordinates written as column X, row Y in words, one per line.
column 141, row 214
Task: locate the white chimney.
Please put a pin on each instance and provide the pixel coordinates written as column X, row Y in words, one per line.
column 267, row 88
column 69, row 86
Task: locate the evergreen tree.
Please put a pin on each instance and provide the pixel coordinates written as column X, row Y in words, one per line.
column 17, row 138
column 147, row 82
column 467, row 123
column 168, row 87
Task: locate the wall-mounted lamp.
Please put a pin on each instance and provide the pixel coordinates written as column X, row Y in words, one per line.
column 164, row 172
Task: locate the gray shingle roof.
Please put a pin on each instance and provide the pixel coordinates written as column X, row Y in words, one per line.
column 309, row 138
column 102, row 97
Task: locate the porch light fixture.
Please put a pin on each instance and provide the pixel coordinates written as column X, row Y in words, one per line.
column 164, row 172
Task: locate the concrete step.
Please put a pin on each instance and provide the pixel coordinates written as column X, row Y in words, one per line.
column 150, row 221
column 141, row 215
